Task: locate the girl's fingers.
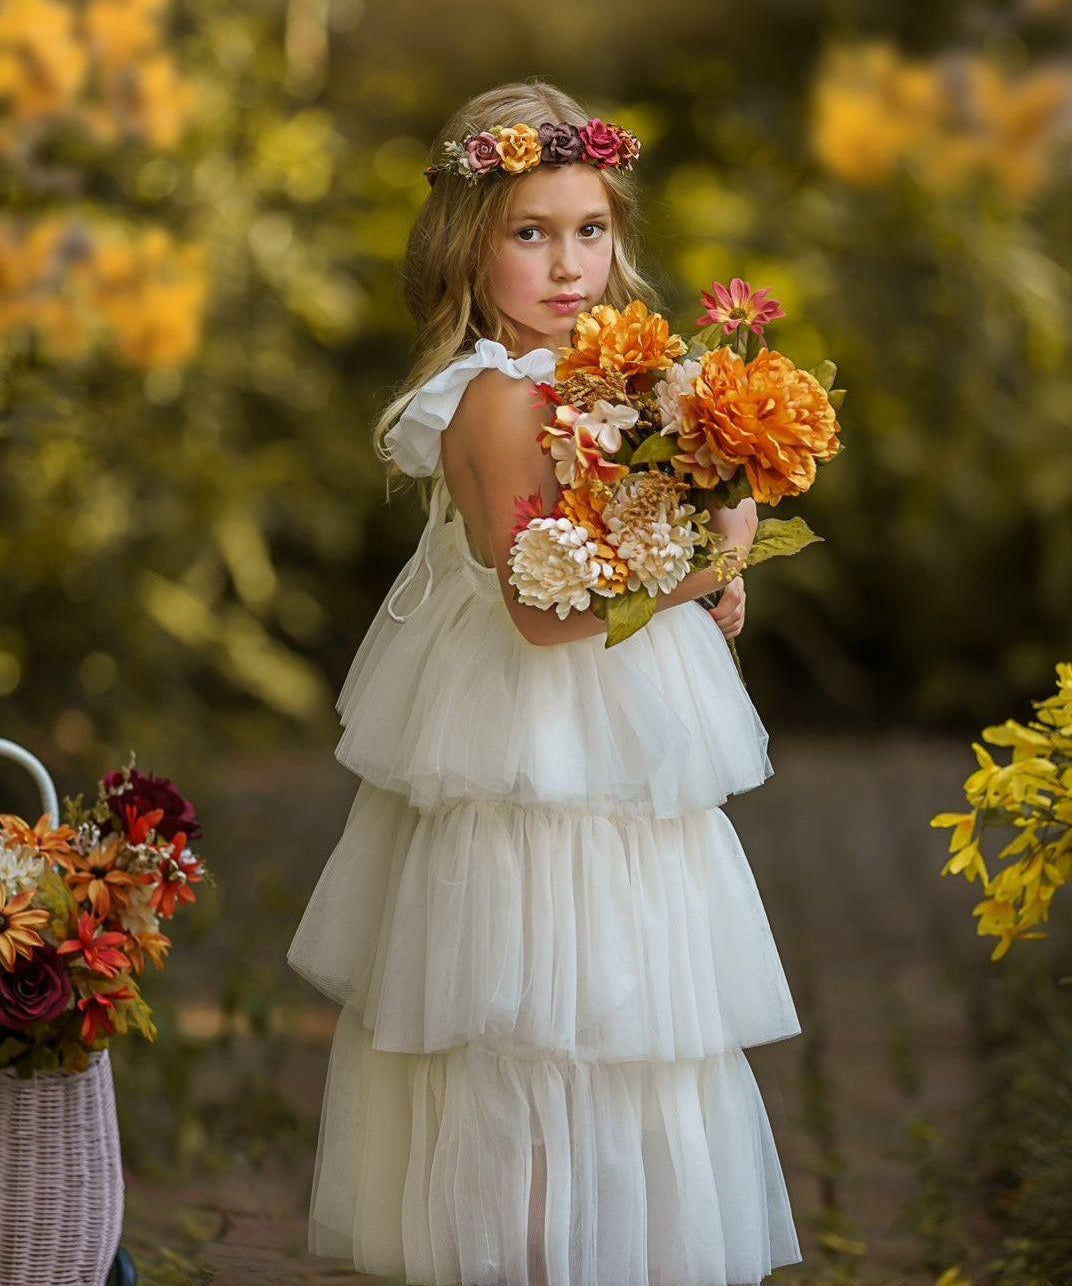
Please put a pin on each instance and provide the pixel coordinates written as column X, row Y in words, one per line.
column 729, row 614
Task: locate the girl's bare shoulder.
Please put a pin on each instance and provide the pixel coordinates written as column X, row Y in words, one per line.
column 497, row 410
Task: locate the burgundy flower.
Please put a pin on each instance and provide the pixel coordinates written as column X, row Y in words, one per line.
column 560, row 144
column 146, row 793
column 36, row 990
column 482, row 152
column 602, row 142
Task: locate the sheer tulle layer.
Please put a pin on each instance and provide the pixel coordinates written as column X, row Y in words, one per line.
column 596, row 937
column 455, row 704
column 657, row 1174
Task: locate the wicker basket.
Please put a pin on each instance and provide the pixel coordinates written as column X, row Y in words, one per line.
column 61, row 1179
column 61, row 1174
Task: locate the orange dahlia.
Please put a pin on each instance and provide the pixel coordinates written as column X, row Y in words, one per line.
column 583, row 505
column 767, row 415
column 631, row 342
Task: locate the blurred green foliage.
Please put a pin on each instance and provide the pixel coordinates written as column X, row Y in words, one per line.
column 189, row 553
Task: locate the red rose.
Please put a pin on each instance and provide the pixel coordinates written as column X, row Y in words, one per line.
column 601, row 142
column 147, row 793
column 35, row 991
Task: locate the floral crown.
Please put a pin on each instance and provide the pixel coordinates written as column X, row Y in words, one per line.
column 513, row 149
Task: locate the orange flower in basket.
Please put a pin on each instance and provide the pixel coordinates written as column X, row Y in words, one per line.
column 100, row 1012
column 95, row 878
column 767, row 415
column 632, row 342
column 43, row 839
column 19, row 923
column 174, row 878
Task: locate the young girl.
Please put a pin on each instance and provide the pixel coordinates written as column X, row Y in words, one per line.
column 547, row 943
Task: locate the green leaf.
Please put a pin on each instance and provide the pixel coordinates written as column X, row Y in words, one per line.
column 58, row 900
column 627, row 613
column 710, row 337
column 777, row 538
column 836, row 396
column 825, row 372
column 655, row 447
column 739, row 342
column 10, row 1049
column 42, row 1058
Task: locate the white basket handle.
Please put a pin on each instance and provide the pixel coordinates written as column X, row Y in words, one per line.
column 33, row 765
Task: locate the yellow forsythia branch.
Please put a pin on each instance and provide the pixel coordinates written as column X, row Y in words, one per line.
column 1031, row 796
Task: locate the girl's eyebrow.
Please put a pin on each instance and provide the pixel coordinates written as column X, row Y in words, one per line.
column 546, row 218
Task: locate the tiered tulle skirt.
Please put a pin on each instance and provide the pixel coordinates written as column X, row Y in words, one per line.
column 550, row 952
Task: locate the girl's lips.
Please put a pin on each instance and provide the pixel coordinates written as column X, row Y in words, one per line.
column 564, row 306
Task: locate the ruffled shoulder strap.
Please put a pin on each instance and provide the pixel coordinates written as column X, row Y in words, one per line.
column 414, row 440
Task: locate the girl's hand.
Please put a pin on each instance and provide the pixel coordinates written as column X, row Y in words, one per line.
column 729, row 614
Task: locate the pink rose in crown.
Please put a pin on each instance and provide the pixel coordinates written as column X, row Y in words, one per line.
column 483, row 152
column 602, row 142
column 145, row 793
column 36, row 990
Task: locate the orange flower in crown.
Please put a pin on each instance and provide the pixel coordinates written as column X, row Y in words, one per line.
column 767, row 415
column 519, row 148
column 631, row 342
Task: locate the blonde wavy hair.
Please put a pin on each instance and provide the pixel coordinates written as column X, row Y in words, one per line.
column 454, row 237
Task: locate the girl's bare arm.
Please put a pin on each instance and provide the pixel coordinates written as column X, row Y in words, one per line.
column 495, row 428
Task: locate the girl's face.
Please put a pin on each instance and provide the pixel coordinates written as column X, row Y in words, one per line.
column 558, row 241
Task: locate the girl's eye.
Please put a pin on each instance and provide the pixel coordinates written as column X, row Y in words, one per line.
column 529, row 241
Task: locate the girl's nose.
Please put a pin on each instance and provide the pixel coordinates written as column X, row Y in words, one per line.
column 566, row 265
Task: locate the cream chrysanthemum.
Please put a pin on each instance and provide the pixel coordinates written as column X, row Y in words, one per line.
column 651, row 530
column 556, row 564
column 670, row 391
column 20, row 869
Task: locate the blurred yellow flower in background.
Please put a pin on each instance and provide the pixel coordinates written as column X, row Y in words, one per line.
column 43, row 65
column 76, row 284
column 66, row 279
column 950, row 120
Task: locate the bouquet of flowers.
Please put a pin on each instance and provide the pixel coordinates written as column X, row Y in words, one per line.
column 648, row 432
column 80, row 911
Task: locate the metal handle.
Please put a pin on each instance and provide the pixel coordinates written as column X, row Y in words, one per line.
column 33, row 765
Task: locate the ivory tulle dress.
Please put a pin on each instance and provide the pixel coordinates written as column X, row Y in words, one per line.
column 546, row 940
